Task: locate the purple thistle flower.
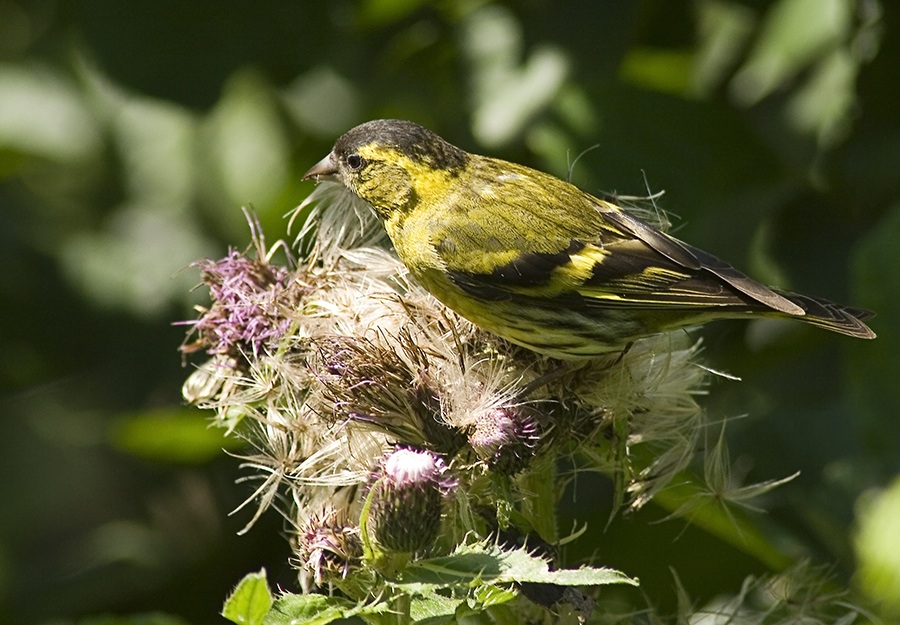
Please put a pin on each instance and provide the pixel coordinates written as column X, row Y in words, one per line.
column 247, row 315
column 408, row 489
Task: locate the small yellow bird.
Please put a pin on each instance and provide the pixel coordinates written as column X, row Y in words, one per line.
column 536, row 260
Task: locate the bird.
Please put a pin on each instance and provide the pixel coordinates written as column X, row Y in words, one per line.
column 539, row 262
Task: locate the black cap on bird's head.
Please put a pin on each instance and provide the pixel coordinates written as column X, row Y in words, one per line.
column 374, row 161
column 407, row 138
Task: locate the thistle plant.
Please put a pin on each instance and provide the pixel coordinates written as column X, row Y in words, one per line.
column 415, row 458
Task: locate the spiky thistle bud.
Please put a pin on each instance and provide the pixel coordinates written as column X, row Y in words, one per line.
column 407, row 493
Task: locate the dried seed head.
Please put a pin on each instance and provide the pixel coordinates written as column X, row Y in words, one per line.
column 389, row 392
column 505, row 437
column 327, row 548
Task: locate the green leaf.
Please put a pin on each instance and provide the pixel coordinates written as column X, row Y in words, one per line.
column 459, row 568
column 521, row 566
column 432, row 609
column 375, row 13
column 247, row 148
column 878, row 547
column 429, row 604
column 488, row 595
column 723, row 29
column 507, row 93
column 150, row 618
column 665, row 70
column 292, row 609
column 250, row 601
column 873, row 367
column 474, row 564
column 323, row 102
column 794, row 34
column 170, row 435
column 45, row 115
column 685, row 498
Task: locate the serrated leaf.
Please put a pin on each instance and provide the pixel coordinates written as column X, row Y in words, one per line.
column 488, row 595
column 521, row 566
column 433, row 609
column 495, row 565
column 454, row 569
column 290, row 609
column 429, row 607
column 250, row 601
column 584, row 576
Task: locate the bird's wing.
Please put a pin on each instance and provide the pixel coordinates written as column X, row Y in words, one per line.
column 626, row 273
column 632, row 273
column 628, row 262
column 581, row 245
column 697, row 261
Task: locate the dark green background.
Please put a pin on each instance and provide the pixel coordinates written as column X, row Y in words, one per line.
column 131, row 134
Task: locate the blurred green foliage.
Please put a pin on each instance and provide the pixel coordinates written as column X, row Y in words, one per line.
column 132, row 133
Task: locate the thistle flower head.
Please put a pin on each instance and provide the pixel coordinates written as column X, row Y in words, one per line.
column 386, row 389
column 407, row 491
column 248, row 310
column 344, row 363
column 327, row 548
column 506, row 437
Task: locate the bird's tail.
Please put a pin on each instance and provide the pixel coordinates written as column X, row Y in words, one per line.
column 831, row 316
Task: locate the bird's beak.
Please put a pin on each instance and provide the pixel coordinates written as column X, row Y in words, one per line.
column 325, row 169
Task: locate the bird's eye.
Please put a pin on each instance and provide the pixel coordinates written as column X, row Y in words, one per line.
column 355, row 162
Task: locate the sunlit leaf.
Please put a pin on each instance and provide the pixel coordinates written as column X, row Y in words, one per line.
column 170, row 435
column 874, row 367
column 157, row 142
column 323, row 102
column 824, row 106
column 250, row 601
column 723, row 29
column 472, row 563
column 312, row 609
column 136, row 261
column 669, row 71
column 877, row 543
column 433, row 609
column 793, row 33
column 507, row 90
column 44, row 115
column 247, row 147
